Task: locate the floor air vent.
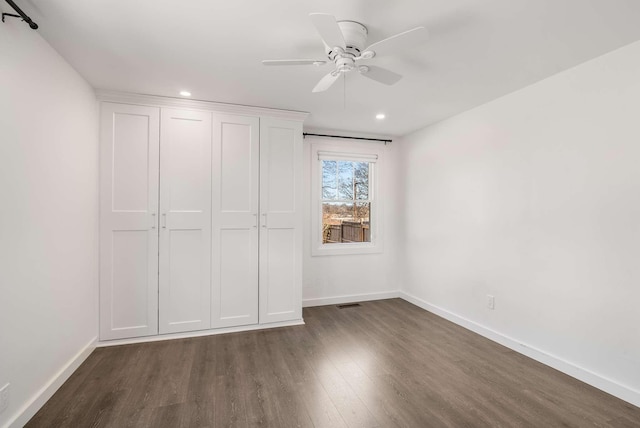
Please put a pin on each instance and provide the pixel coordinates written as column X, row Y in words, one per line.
column 348, row 305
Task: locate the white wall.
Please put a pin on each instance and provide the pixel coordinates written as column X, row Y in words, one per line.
column 345, row 278
column 535, row 199
column 48, row 219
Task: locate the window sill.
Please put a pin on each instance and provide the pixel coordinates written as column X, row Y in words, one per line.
column 346, row 249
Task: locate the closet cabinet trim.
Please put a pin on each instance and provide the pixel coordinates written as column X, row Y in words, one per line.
column 201, row 227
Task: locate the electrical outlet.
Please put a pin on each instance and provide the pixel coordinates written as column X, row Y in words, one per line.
column 491, row 301
column 4, row 397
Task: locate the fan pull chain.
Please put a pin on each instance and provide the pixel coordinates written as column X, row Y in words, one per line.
column 344, row 89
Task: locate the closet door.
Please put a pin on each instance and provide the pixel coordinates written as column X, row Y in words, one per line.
column 280, row 220
column 185, row 218
column 128, row 221
column 234, row 297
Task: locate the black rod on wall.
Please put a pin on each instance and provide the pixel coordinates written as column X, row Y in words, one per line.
column 304, row 134
column 20, row 14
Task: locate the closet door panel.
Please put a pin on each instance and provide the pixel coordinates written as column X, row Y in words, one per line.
column 234, row 299
column 238, row 303
column 129, row 159
column 129, row 293
column 280, row 278
column 185, row 289
column 185, row 233
column 280, row 231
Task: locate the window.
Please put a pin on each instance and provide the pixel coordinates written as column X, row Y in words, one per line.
column 345, row 201
column 345, row 198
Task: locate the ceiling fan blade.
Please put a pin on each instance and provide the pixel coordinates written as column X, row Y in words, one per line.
column 326, row 82
column 328, row 29
column 381, row 75
column 294, row 62
column 399, row 41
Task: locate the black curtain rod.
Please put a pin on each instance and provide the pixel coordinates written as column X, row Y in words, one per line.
column 304, row 134
column 21, row 14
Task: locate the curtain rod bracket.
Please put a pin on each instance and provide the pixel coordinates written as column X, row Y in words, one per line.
column 9, row 14
column 20, row 14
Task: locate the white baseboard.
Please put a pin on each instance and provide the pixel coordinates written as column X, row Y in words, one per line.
column 30, row 408
column 351, row 298
column 605, row 384
column 199, row 333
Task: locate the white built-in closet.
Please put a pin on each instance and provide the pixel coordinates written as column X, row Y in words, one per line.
column 200, row 216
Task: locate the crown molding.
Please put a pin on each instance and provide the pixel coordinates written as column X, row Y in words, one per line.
column 158, row 101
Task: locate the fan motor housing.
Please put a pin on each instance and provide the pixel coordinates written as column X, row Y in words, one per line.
column 355, row 38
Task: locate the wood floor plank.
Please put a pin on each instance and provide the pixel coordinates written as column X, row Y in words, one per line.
column 229, row 401
column 381, row 364
column 282, row 392
column 319, row 406
column 392, row 400
column 251, row 381
column 201, row 389
column 439, row 373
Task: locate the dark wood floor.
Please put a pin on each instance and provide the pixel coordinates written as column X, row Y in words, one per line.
column 383, row 364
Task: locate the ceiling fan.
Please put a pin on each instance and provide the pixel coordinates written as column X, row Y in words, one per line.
column 345, row 45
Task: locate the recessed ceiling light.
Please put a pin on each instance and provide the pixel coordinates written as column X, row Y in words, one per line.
column 380, row 116
column 185, row 93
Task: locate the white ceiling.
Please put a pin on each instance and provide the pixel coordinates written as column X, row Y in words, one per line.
column 478, row 51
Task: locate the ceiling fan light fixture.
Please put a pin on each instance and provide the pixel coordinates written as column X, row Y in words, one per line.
column 345, row 44
column 345, row 64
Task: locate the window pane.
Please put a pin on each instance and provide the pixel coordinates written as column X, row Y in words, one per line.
column 345, row 222
column 345, row 180
column 361, row 180
column 329, row 177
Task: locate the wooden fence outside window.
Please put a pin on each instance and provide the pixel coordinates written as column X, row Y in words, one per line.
column 346, row 231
